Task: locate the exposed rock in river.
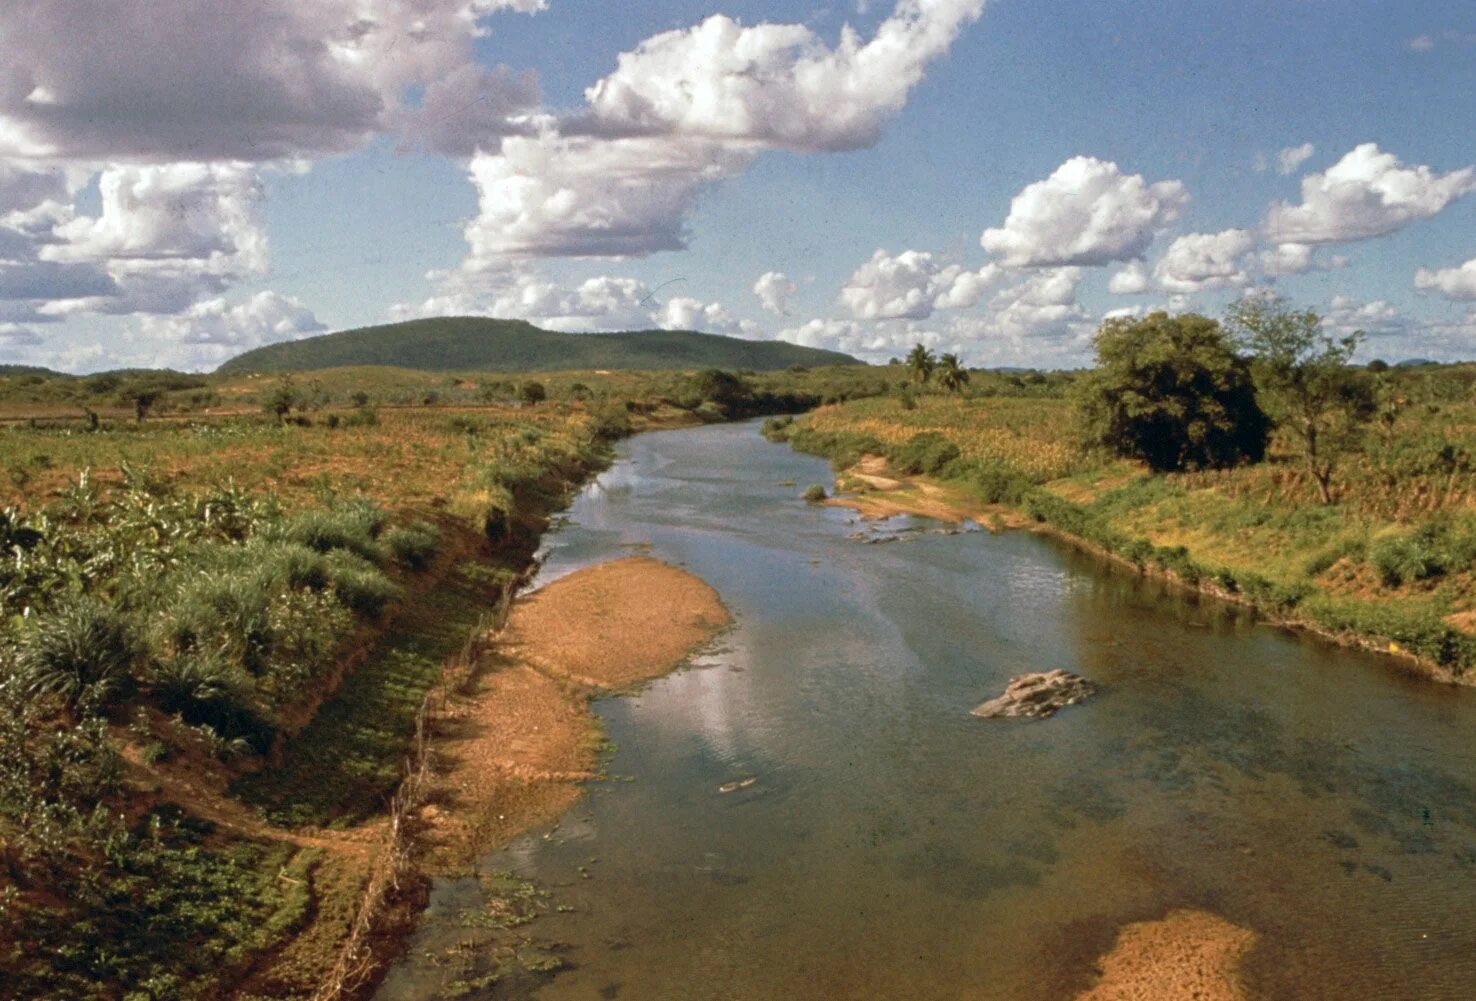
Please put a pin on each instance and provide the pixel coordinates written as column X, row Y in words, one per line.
column 1038, row 695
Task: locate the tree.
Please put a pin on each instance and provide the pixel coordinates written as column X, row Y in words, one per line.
column 532, row 392
column 920, row 364
column 1304, row 381
column 281, row 399
column 1173, row 392
column 952, row 377
column 143, row 401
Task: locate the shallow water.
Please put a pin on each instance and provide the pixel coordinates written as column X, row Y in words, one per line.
column 895, row 847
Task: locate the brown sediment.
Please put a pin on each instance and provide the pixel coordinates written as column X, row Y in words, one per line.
column 1185, row 956
column 512, row 753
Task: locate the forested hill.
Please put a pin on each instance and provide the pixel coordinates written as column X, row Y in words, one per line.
column 469, row 343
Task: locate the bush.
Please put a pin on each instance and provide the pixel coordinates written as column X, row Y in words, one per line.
column 532, row 392
column 81, row 648
column 413, row 544
column 815, row 493
column 353, row 526
column 926, row 453
column 360, row 585
column 206, row 691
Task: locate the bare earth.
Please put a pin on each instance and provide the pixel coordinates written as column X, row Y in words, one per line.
column 1186, row 956
column 512, row 754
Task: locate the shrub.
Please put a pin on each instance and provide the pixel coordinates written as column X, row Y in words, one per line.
column 82, row 647
column 353, row 526
column 815, row 493
column 206, row 691
column 359, row 584
column 532, row 392
column 926, row 453
column 413, row 544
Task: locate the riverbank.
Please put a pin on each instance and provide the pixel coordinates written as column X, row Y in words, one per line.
column 1378, row 571
column 515, row 744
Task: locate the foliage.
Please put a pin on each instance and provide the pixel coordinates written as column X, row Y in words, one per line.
column 952, row 376
column 920, row 364
column 1172, row 392
column 1305, row 382
column 815, row 493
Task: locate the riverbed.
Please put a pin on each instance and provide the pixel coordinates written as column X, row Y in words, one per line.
column 892, row 846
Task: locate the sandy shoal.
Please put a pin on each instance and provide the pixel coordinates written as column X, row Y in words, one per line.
column 1187, row 955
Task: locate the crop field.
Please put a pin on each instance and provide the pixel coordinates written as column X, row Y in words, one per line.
column 224, row 600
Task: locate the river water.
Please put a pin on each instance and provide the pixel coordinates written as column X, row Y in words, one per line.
column 894, row 847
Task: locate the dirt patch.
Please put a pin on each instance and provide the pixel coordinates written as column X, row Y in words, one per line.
column 511, row 753
column 1185, row 956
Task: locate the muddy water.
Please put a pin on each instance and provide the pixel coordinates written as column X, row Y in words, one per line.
column 894, row 847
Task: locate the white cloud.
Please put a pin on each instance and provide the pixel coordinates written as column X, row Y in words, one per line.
column 774, row 290
column 265, row 318
column 1367, row 193
column 1131, row 280
column 558, row 196
column 1292, row 157
column 1453, row 283
column 775, row 84
column 912, row 285
column 1201, row 261
column 1088, row 212
column 1377, row 318
column 684, row 313
column 219, row 79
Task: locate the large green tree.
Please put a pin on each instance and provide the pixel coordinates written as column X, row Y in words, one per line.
column 1172, row 391
column 1305, row 382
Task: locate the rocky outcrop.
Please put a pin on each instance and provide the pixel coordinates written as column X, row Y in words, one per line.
column 1037, row 696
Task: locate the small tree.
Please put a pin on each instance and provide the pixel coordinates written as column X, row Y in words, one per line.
column 1305, row 382
column 532, row 392
column 143, row 401
column 952, row 377
column 281, row 399
column 1173, row 392
column 920, row 364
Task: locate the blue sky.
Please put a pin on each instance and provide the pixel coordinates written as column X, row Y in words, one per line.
column 991, row 178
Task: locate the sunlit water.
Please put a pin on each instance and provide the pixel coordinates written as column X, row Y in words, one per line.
column 895, row 847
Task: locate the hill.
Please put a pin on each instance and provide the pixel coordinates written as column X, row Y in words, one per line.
column 470, row 343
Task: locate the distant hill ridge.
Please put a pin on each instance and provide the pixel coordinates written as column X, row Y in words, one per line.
column 471, row 343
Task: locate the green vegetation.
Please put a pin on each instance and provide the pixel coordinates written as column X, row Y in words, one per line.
column 471, row 343
column 1392, row 560
column 220, row 628
column 1172, row 392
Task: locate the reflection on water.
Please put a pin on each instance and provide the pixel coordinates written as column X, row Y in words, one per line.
column 894, row 847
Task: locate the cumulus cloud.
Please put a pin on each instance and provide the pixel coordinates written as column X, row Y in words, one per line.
column 1453, row 283
column 912, row 285
column 774, row 290
column 683, row 313
column 1201, row 261
column 595, row 305
column 265, row 318
column 1367, row 193
column 561, row 196
column 1132, row 279
column 1088, row 212
column 777, row 85
column 218, row 79
column 1346, row 315
column 1292, row 157
column 473, row 107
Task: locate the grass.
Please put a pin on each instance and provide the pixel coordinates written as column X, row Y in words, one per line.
column 1394, row 560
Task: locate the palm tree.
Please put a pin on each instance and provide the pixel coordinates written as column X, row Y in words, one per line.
column 952, row 377
column 920, row 364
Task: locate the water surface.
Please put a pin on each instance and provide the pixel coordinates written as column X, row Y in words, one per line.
column 895, row 847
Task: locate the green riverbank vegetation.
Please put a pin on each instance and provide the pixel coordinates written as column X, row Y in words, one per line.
column 1248, row 457
column 222, row 603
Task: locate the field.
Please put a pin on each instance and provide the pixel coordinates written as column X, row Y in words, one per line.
column 1392, row 562
column 225, row 599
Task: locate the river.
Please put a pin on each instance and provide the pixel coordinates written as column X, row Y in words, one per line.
column 894, row 847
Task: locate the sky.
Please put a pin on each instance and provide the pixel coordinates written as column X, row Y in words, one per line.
column 183, row 180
